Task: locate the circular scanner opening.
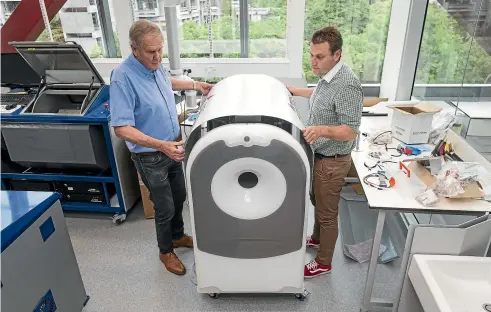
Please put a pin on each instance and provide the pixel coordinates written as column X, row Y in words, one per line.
column 248, row 180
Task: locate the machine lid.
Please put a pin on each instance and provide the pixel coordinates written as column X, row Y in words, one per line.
column 59, row 63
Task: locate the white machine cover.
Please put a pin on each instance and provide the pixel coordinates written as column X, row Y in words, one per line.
column 249, row 181
column 249, row 95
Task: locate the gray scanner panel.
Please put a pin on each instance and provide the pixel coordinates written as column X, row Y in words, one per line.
column 220, row 234
column 58, row 146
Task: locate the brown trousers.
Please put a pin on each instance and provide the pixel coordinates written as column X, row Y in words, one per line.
column 328, row 179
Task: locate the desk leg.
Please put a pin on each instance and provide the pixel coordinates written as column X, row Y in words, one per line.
column 404, row 266
column 372, row 266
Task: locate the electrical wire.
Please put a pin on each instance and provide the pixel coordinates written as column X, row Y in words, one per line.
column 381, row 177
column 387, row 149
column 44, row 14
column 183, row 111
column 378, row 164
column 374, row 140
column 394, row 148
column 194, row 277
column 210, row 28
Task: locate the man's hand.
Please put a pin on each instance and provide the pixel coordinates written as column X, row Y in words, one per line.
column 293, row 90
column 312, row 133
column 204, row 87
column 304, row 92
column 172, row 150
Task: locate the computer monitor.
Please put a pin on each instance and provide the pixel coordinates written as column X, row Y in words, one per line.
column 16, row 72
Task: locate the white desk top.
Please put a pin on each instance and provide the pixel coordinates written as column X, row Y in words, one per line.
column 444, row 105
column 399, row 197
column 475, row 109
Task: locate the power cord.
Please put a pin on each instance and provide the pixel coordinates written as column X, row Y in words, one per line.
column 378, row 139
column 394, row 148
column 382, row 139
column 183, row 111
column 382, row 180
column 378, row 164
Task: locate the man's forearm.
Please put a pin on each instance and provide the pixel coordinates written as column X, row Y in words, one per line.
column 338, row 133
column 135, row 136
column 179, row 84
column 304, row 92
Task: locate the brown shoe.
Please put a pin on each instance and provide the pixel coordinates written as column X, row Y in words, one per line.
column 172, row 263
column 185, row 241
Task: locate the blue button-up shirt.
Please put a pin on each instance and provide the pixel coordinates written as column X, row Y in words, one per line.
column 143, row 98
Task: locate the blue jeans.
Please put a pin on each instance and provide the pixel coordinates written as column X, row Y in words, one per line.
column 164, row 179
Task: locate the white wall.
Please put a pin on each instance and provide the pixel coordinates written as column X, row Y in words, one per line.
column 77, row 22
column 76, row 3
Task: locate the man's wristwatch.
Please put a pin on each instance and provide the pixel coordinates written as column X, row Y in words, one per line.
column 194, row 85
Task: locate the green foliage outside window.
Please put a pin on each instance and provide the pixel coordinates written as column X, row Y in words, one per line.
column 364, row 27
column 443, row 57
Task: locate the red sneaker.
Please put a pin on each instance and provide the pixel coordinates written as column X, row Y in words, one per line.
column 314, row 268
column 312, row 242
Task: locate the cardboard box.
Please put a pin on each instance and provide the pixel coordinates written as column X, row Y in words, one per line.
column 148, row 210
column 369, row 102
column 471, row 191
column 412, row 124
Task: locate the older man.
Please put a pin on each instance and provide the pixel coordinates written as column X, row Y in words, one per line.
column 335, row 111
column 143, row 113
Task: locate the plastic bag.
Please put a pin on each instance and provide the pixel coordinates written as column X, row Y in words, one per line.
column 464, row 172
column 442, row 121
column 448, row 186
column 484, row 179
column 454, row 176
column 428, row 198
column 380, row 136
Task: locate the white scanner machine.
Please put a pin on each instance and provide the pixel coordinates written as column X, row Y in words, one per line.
column 248, row 178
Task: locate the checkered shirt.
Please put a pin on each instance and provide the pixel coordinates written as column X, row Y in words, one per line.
column 336, row 101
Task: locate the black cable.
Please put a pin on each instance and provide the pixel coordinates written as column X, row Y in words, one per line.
column 377, row 185
column 379, row 135
column 42, row 86
column 393, row 148
column 378, row 164
column 371, row 167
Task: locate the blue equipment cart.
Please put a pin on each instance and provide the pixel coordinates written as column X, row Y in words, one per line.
column 62, row 141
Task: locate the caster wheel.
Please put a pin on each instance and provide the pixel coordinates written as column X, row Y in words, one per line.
column 213, row 295
column 118, row 218
column 301, row 296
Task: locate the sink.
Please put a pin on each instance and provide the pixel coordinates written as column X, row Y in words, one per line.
column 452, row 283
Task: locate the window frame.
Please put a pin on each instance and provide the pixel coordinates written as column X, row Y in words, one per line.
column 288, row 67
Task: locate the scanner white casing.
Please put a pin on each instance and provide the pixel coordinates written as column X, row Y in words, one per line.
column 249, row 238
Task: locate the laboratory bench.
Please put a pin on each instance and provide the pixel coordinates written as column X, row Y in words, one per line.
column 473, row 120
column 39, row 267
column 401, row 199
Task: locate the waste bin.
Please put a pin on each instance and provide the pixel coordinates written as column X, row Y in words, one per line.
column 357, row 224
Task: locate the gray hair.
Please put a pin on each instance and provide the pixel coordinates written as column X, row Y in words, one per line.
column 141, row 28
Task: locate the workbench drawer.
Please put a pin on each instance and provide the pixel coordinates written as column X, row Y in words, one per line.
column 82, row 187
column 85, row 198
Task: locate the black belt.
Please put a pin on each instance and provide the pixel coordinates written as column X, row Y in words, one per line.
column 320, row 156
column 148, row 153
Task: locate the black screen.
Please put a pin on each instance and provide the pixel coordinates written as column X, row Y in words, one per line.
column 16, row 71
